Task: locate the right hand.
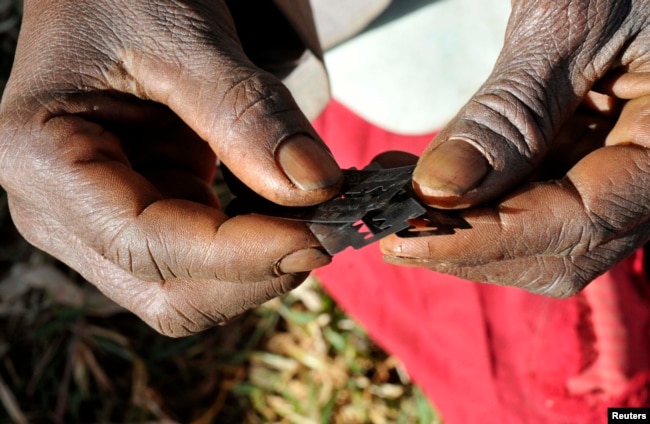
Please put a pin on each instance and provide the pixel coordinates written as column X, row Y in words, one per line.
column 551, row 155
column 111, row 125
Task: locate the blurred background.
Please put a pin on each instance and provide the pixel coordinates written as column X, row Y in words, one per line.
column 69, row 355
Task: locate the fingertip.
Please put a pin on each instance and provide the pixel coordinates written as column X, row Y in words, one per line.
column 307, row 163
column 449, row 171
column 399, row 250
column 395, row 159
column 304, row 260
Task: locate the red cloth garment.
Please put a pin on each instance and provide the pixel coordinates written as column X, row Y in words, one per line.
column 484, row 353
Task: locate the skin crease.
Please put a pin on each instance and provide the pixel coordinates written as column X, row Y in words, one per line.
column 111, row 125
column 550, row 166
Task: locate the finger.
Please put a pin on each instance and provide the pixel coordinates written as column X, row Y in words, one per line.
column 552, row 56
column 185, row 55
column 174, row 184
column 175, row 307
column 248, row 116
column 581, row 135
column 633, row 125
column 550, row 238
column 173, row 158
column 395, row 159
column 122, row 216
column 626, row 85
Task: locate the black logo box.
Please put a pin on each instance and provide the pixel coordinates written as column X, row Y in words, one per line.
column 628, row 415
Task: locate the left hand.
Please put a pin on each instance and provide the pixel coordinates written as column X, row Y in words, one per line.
column 111, row 126
column 551, row 153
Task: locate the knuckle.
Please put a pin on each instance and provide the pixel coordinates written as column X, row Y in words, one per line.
column 134, row 252
column 560, row 287
column 252, row 93
column 16, row 157
column 175, row 317
column 548, row 276
column 567, row 276
column 508, row 113
column 30, row 224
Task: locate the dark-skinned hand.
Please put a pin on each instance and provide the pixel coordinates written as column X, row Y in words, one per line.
column 550, row 155
column 111, row 126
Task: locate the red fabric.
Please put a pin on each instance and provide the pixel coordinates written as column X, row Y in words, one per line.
column 483, row 353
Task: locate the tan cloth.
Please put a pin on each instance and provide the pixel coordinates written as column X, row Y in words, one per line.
column 320, row 23
column 338, row 20
column 308, row 80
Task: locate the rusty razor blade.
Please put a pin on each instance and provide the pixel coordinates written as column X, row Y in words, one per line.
column 373, row 204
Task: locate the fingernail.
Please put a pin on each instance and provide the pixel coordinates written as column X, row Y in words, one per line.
column 307, row 163
column 303, row 261
column 451, row 169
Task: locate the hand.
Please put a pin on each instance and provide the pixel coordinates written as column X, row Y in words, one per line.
column 551, row 153
column 111, row 126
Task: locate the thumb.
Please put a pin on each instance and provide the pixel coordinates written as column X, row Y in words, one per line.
column 247, row 115
column 553, row 54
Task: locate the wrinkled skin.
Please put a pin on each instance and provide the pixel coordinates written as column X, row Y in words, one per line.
column 552, row 153
column 112, row 123
column 116, row 114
